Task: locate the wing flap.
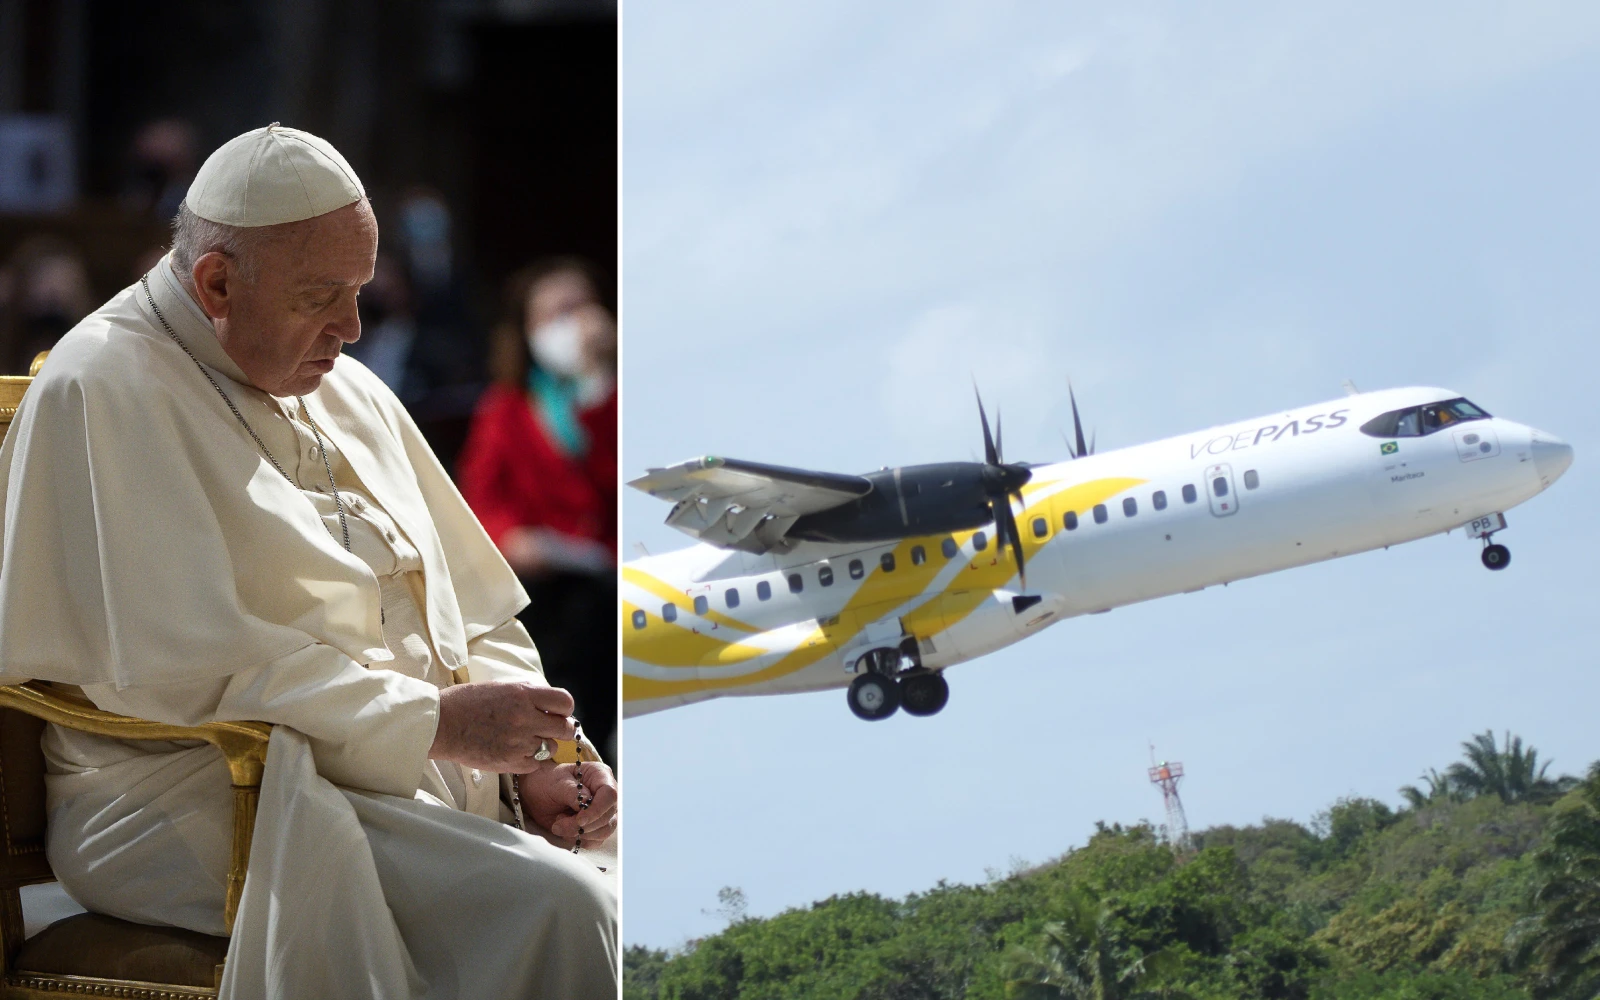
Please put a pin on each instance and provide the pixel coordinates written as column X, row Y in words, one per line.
column 738, row 504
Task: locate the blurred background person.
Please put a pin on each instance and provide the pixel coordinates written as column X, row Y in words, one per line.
column 44, row 291
column 163, row 163
column 540, row 471
column 388, row 328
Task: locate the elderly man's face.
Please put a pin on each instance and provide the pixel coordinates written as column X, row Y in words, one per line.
column 286, row 328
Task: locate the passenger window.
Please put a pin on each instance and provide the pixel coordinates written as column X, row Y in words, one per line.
column 1158, row 500
column 1100, row 514
column 669, row 612
column 1041, row 527
column 1219, row 486
column 639, row 619
column 887, row 562
column 732, row 597
column 1130, row 506
column 949, row 548
column 763, row 591
column 919, row 555
column 1251, row 480
column 796, row 584
column 1190, row 494
column 701, row 605
column 980, row 541
column 857, row 571
column 1069, row 520
column 825, row 576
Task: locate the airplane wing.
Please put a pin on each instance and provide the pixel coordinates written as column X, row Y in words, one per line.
column 745, row 505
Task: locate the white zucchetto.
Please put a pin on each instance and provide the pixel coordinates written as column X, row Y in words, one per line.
column 270, row 176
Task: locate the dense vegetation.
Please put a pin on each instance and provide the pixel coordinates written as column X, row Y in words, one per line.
column 1485, row 884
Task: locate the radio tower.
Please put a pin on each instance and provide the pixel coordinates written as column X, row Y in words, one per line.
column 1167, row 774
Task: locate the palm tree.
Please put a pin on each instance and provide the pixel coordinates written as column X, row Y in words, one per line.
column 1513, row 773
column 1562, row 940
column 1077, row 958
column 1438, row 788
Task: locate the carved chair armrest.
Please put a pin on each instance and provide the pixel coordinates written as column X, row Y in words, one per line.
column 243, row 746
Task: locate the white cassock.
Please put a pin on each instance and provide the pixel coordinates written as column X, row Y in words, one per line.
column 156, row 558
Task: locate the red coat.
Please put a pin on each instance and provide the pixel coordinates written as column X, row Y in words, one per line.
column 512, row 475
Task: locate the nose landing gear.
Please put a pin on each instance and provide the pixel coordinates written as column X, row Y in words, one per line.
column 1496, row 556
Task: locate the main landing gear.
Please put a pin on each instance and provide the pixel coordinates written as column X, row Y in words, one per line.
column 882, row 688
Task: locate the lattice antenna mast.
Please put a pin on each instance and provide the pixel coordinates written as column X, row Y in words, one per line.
column 1167, row 775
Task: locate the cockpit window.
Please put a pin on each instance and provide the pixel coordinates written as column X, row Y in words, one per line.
column 1417, row 421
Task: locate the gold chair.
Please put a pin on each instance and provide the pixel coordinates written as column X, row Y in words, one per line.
column 89, row 954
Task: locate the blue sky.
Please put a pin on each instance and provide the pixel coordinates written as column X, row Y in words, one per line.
column 836, row 215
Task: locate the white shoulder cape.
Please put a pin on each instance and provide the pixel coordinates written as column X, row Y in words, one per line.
column 148, row 540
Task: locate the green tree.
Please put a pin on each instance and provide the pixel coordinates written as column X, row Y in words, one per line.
column 1080, row 957
column 641, row 972
column 1562, row 940
column 1513, row 773
column 1438, row 789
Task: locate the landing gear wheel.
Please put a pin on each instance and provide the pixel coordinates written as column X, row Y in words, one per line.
column 874, row 696
column 1496, row 556
column 924, row 694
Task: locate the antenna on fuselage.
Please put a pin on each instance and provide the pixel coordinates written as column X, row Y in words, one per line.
column 1350, row 388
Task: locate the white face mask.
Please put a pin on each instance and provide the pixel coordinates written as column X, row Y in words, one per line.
column 558, row 346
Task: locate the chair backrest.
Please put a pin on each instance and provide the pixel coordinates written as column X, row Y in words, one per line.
column 22, row 813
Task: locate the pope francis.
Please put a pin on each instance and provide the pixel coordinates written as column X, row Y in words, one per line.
column 210, row 515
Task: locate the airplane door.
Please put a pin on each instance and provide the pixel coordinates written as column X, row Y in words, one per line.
column 1219, row 487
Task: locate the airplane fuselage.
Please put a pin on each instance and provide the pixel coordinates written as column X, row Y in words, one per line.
column 1099, row 532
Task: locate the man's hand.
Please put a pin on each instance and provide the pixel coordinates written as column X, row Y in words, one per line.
column 498, row 725
column 553, row 798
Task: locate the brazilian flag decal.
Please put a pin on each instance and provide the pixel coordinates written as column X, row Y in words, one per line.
column 1389, row 447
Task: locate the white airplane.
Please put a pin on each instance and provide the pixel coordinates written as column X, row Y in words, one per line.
column 879, row 582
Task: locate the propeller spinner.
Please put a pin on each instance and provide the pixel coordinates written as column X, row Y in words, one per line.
column 1001, row 484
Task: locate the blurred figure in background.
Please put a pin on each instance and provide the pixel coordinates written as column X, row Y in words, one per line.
column 540, row 471
column 164, row 160
column 388, row 329
column 44, row 291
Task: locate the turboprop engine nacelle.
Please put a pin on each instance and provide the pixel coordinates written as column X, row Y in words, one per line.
column 915, row 500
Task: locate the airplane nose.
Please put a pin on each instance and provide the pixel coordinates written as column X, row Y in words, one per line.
column 1551, row 456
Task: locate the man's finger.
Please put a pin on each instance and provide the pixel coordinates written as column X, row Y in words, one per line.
column 593, row 819
column 603, row 800
column 548, row 726
column 591, row 830
column 555, row 701
column 594, row 836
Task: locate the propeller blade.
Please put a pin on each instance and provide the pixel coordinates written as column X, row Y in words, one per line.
column 1006, row 523
column 989, row 454
column 1077, row 425
column 1021, row 570
column 999, row 443
column 1091, row 441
